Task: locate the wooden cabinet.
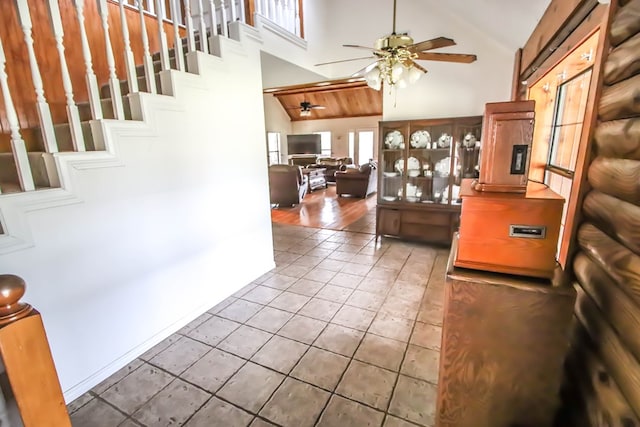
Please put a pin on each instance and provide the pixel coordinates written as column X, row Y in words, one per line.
column 421, row 165
column 504, row 340
column 506, row 149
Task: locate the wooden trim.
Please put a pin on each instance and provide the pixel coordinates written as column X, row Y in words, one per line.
column 559, row 21
column 586, row 28
column 249, row 10
column 580, row 186
column 516, row 86
column 301, row 16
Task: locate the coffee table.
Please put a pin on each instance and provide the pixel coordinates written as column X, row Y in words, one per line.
column 316, row 178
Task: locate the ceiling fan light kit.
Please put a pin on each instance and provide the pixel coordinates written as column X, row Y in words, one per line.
column 396, row 54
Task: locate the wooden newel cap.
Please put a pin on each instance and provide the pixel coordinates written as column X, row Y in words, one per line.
column 12, row 288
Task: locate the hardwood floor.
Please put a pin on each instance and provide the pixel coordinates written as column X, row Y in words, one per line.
column 323, row 209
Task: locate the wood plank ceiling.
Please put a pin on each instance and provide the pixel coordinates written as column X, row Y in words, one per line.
column 341, row 98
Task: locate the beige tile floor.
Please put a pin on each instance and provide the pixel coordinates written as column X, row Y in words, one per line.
column 343, row 332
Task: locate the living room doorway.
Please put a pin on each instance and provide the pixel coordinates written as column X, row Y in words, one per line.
column 362, row 145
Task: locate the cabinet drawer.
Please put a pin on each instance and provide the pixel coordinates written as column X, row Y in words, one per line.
column 433, row 233
column 428, row 218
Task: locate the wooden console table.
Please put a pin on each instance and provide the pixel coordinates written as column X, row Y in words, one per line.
column 504, row 341
column 316, row 178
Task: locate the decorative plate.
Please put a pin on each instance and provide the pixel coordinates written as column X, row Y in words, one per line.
column 445, row 140
column 413, row 164
column 420, row 139
column 442, row 167
column 394, row 140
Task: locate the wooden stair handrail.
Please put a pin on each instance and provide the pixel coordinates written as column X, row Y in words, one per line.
column 27, row 359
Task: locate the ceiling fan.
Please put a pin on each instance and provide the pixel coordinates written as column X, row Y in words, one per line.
column 306, row 107
column 395, row 57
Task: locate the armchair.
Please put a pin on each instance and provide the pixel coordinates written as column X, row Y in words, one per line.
column 287, row 185
column 358, row 182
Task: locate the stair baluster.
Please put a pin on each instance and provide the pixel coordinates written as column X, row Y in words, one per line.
column 204, row 45
column 149, row 72
column 44, row 113
column 289, row 16
column 214, row 18
column 296, row 19
column 243, row 14
column 258, row 5
column 234, row 12
column 18, row 146
column 129, row 61
column 279, row 13
column 114, row 83
column 92, row 81
column 223, row 18
column 72, row 109
column 177, row 41
column 191, row 42
column 162, row 36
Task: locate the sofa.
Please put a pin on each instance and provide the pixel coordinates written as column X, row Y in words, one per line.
column 287, row 185
column 357, row 182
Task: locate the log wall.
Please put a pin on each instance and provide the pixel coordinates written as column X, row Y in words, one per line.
column 603, row 368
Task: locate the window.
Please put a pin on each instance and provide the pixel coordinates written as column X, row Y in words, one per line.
column 352, row 144
column 365, row 146
column 325, row 143
column 273, row 147
column 571, row 102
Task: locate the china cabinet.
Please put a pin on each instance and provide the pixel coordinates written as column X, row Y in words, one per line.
column 421, row 165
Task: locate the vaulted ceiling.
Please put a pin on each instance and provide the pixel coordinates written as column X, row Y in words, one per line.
column 341, row 98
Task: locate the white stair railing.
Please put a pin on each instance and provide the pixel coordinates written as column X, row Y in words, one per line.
column 223, row 18
column 233, row 12
column 177, row 41
column 162, row 37
column 92, row 82
column 44, row 113
column 191, row 42
column 72, row 109
column 285, row 13
column 114, row 83
column 213, row 17
column 18, row 146
column 149, row 72
column 203, row 29
column 129, row 61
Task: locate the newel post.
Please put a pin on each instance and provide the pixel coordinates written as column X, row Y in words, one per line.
column 28, row 364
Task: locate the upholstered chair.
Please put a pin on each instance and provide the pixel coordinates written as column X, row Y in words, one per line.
column 287, row 185
column 357, row 182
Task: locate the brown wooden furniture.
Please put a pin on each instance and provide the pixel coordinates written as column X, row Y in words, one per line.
column 506, row 148
column 287, row 185
column 504, row 340
column 34, row 389
column 357, row 182
column 315, row 178
column 421, row 164
column 510, row 232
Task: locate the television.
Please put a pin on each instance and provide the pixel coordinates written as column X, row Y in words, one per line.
column 304, row 144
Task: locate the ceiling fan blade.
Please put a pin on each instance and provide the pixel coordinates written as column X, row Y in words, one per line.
column 345, row 60
column 317, row 107
column 418, row 66
column 447, row 57
column 364, row 70
column 357, row 46
column 436, row 43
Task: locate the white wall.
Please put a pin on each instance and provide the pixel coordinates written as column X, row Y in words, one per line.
column 173, row 218
column 277, row 120
column 447, row 89
column 339, row 129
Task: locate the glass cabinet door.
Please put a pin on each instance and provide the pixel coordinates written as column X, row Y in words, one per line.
column 392, row 163
column 466, row 162
column 429, row 164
